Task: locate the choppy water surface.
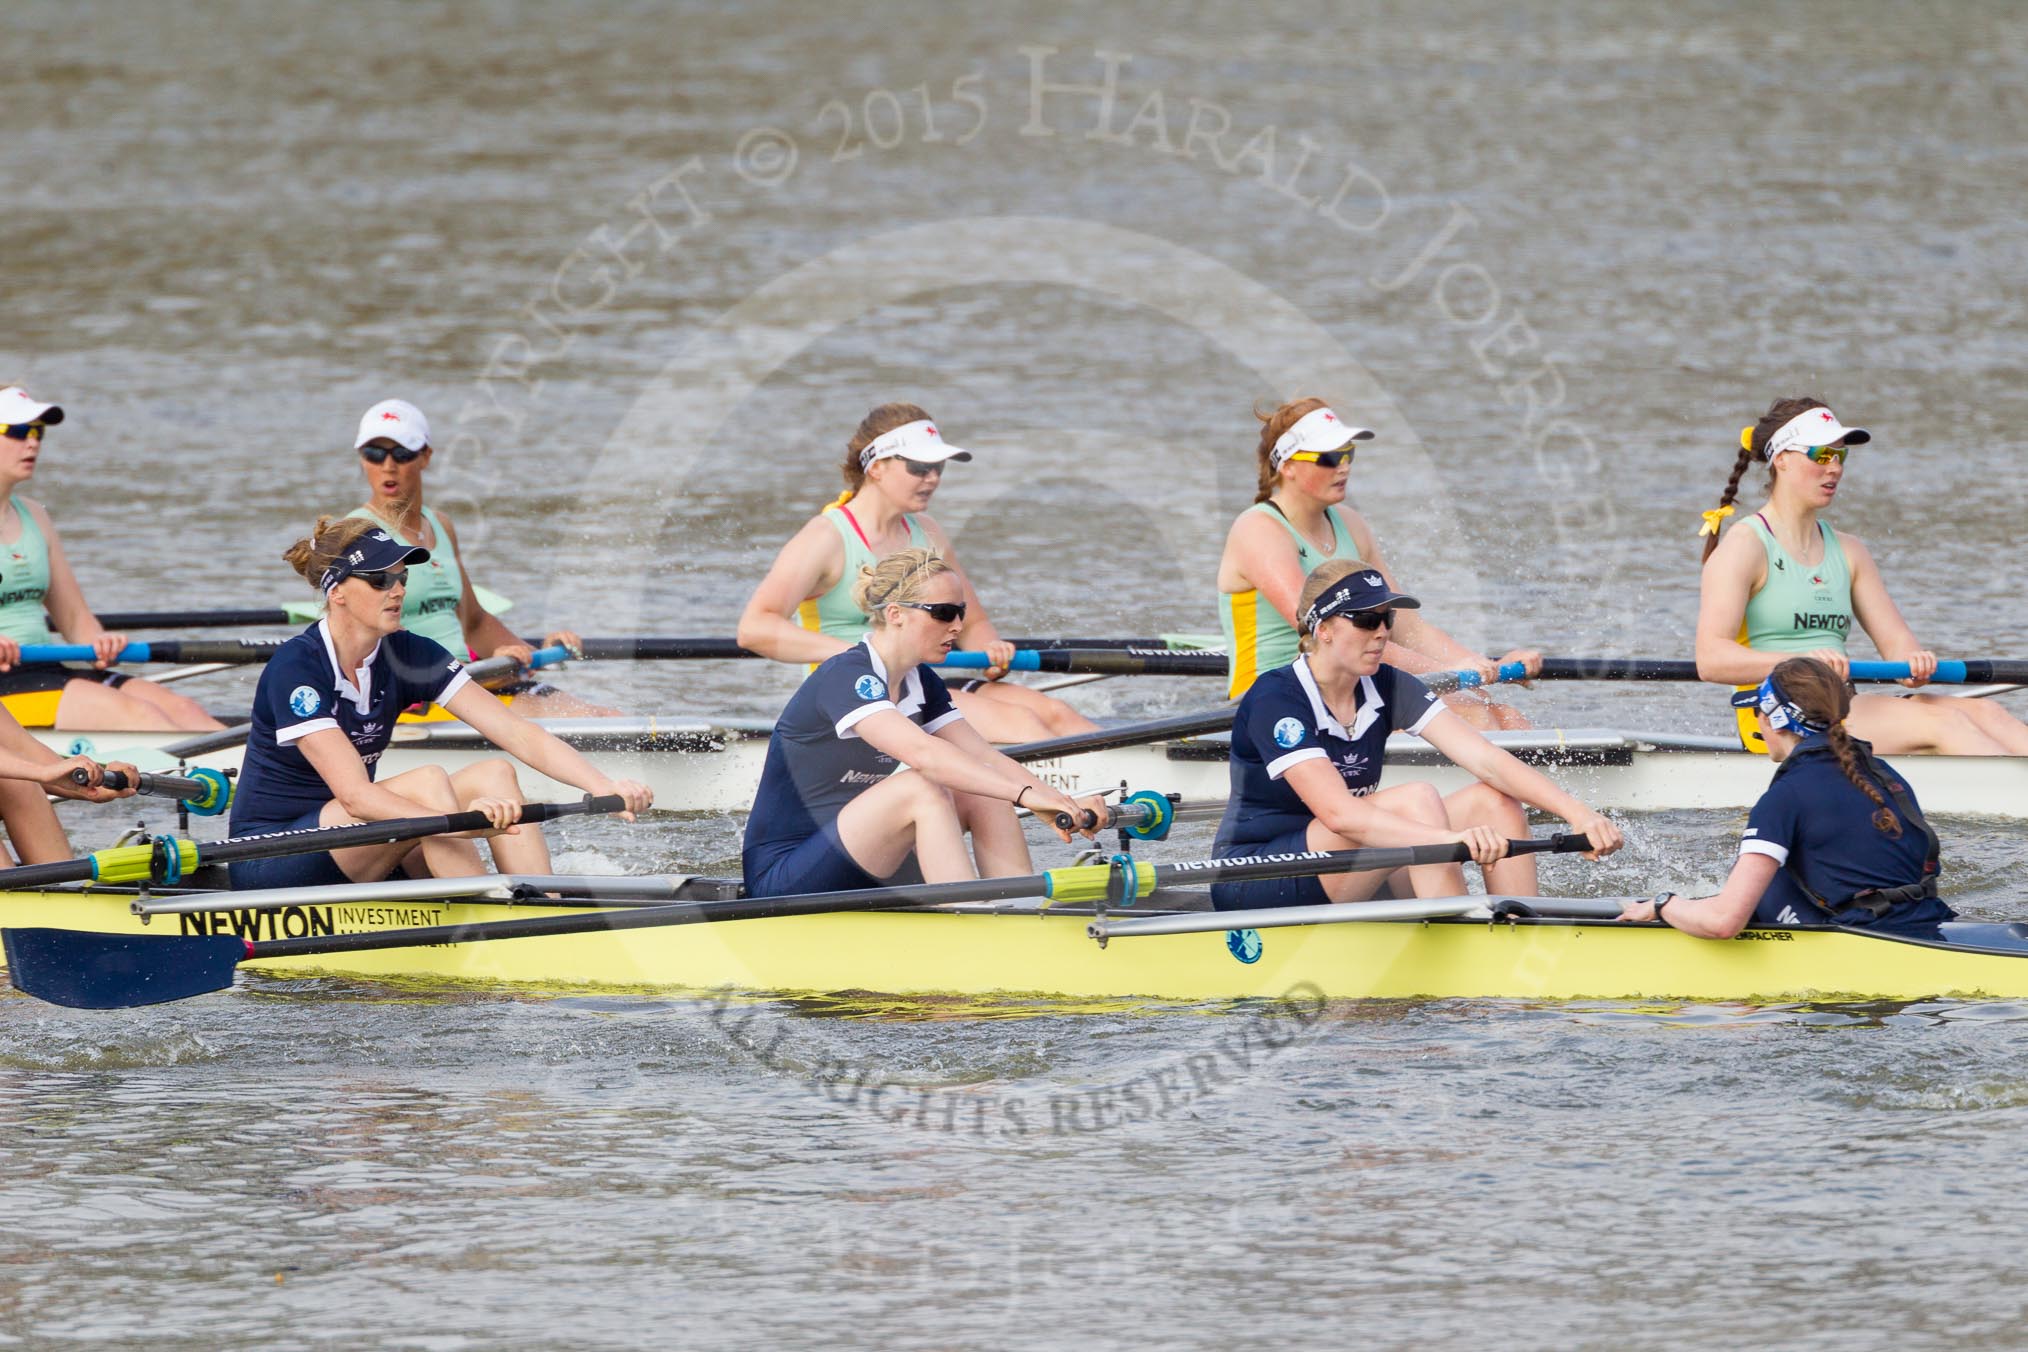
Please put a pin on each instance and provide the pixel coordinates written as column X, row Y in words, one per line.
column 646, row 267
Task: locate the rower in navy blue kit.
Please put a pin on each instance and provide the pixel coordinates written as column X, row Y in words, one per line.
column 832, row 813
column 325, row 710
column 1838, row 837
column 1307, row 748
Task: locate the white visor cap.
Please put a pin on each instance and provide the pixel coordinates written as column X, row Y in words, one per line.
column 918, row 440
column 1318, row 430
column 1814, row 427
column 16, row 408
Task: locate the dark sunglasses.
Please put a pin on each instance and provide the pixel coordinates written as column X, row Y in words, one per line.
column 1370, row 620
column 1328, row 459
column 384, row 579
column 943, row 612
column 377, row 455
column 922, row 469
column 23, row 431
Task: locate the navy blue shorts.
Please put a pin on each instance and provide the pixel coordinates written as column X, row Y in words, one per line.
column 1265, row 892
column 819, row 863
column 295, row 870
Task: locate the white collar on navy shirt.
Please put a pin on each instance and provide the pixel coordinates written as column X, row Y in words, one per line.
column 361, row 694
column 910, row 697
column 1370, row 703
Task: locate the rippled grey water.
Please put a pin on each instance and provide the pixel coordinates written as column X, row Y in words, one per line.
column 646, row 266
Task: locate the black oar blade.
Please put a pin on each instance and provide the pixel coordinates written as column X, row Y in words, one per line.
column 85, row 970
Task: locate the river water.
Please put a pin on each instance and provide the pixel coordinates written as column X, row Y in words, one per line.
column 646, row 266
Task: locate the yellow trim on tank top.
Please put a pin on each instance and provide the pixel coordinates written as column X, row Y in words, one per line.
column 1749, row 727
column 1245, row 643
column 437, row 713
column 34, row 708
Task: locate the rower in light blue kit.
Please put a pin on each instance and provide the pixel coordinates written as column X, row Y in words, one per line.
column 1307, row 747
column 873, row 778
column 324, row 712
column 393, row 442
column 1838, row 837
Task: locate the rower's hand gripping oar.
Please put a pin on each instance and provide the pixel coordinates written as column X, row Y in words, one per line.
column 87, row 970
column 205, row 791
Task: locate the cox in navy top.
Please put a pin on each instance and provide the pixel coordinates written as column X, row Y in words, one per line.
column 1819, row 827
column 817, row 762
column 1282, row 722
column 303, row 691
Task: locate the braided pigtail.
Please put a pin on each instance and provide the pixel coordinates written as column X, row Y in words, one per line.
column 1847, row 757
column 1716, row 515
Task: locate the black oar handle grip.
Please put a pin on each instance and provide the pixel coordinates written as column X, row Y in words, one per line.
column 113, row 778
column 589, row 805
column 1084, row 820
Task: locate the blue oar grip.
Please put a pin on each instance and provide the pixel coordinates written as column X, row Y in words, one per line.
column 1947, row 673
column 548, row 657
column 1509, row 671
column 78, row 652
column 1025, row 660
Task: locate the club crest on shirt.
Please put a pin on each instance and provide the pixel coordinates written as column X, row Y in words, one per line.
column 870, row 687
column 1288, row 733
column 1352, row 763
column 304, row 701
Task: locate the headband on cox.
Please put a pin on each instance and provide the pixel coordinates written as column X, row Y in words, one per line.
column 1782, row 713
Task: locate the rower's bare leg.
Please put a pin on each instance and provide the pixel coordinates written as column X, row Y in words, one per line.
column 2007, row 731
column 526, row 850
column 998, row 844
column 1057, row 718
column 32, row 826
column 904, row 812
column 1484, row 805
column 1485, row 713
column 997, row 720
column 1419, row 801
column 1903, row 726
column 186, row 712
column 88, row 705
column 560, row 704
column 429, row 788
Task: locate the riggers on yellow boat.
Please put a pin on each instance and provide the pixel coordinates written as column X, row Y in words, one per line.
column 1024, row 947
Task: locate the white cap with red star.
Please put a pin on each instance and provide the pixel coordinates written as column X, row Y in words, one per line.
column 918, row 440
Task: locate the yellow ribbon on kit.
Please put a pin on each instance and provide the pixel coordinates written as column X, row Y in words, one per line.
column 1712, row 519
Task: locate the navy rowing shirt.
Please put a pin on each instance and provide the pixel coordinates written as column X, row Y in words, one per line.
column 303, row 691
column 816, row 762
column 1282, row 722
column 1815, row 823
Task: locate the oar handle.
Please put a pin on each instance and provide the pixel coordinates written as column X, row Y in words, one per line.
column 1471, row 680
column 241, row 650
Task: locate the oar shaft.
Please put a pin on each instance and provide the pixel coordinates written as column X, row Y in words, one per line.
column 1065, row 884
column 709, row 648
column 158, row 786
column 191, row 619
column 1127, row 734
column 236, row 651
column 1113, row 662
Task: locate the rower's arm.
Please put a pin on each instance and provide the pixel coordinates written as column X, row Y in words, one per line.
column 336, row 761
column 947, row 757
column 537, row 747
column 65, row 601
column 1469, row 750
column 1357, row 819
column 1731, row 576
column 485, row 633
column 807, row 567
column 1722, row 915
column 1263, row 558
column 1873, row 608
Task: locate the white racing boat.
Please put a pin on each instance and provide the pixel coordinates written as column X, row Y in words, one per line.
column 704, row 764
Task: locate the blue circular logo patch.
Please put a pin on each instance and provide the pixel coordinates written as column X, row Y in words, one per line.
column 1244, row 945
column 1288, row 733
column 870, row 687
column 304, row 701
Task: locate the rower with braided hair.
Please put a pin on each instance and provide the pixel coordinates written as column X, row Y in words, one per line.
column 1838, row 837
column 1783, row 582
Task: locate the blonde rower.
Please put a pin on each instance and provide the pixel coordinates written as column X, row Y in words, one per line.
column 1300, row 519
column 804, row 609
column 1783, row 583
column 833, row 814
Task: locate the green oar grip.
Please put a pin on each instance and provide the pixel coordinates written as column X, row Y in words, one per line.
column 1087, row 883
column 136, row 863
